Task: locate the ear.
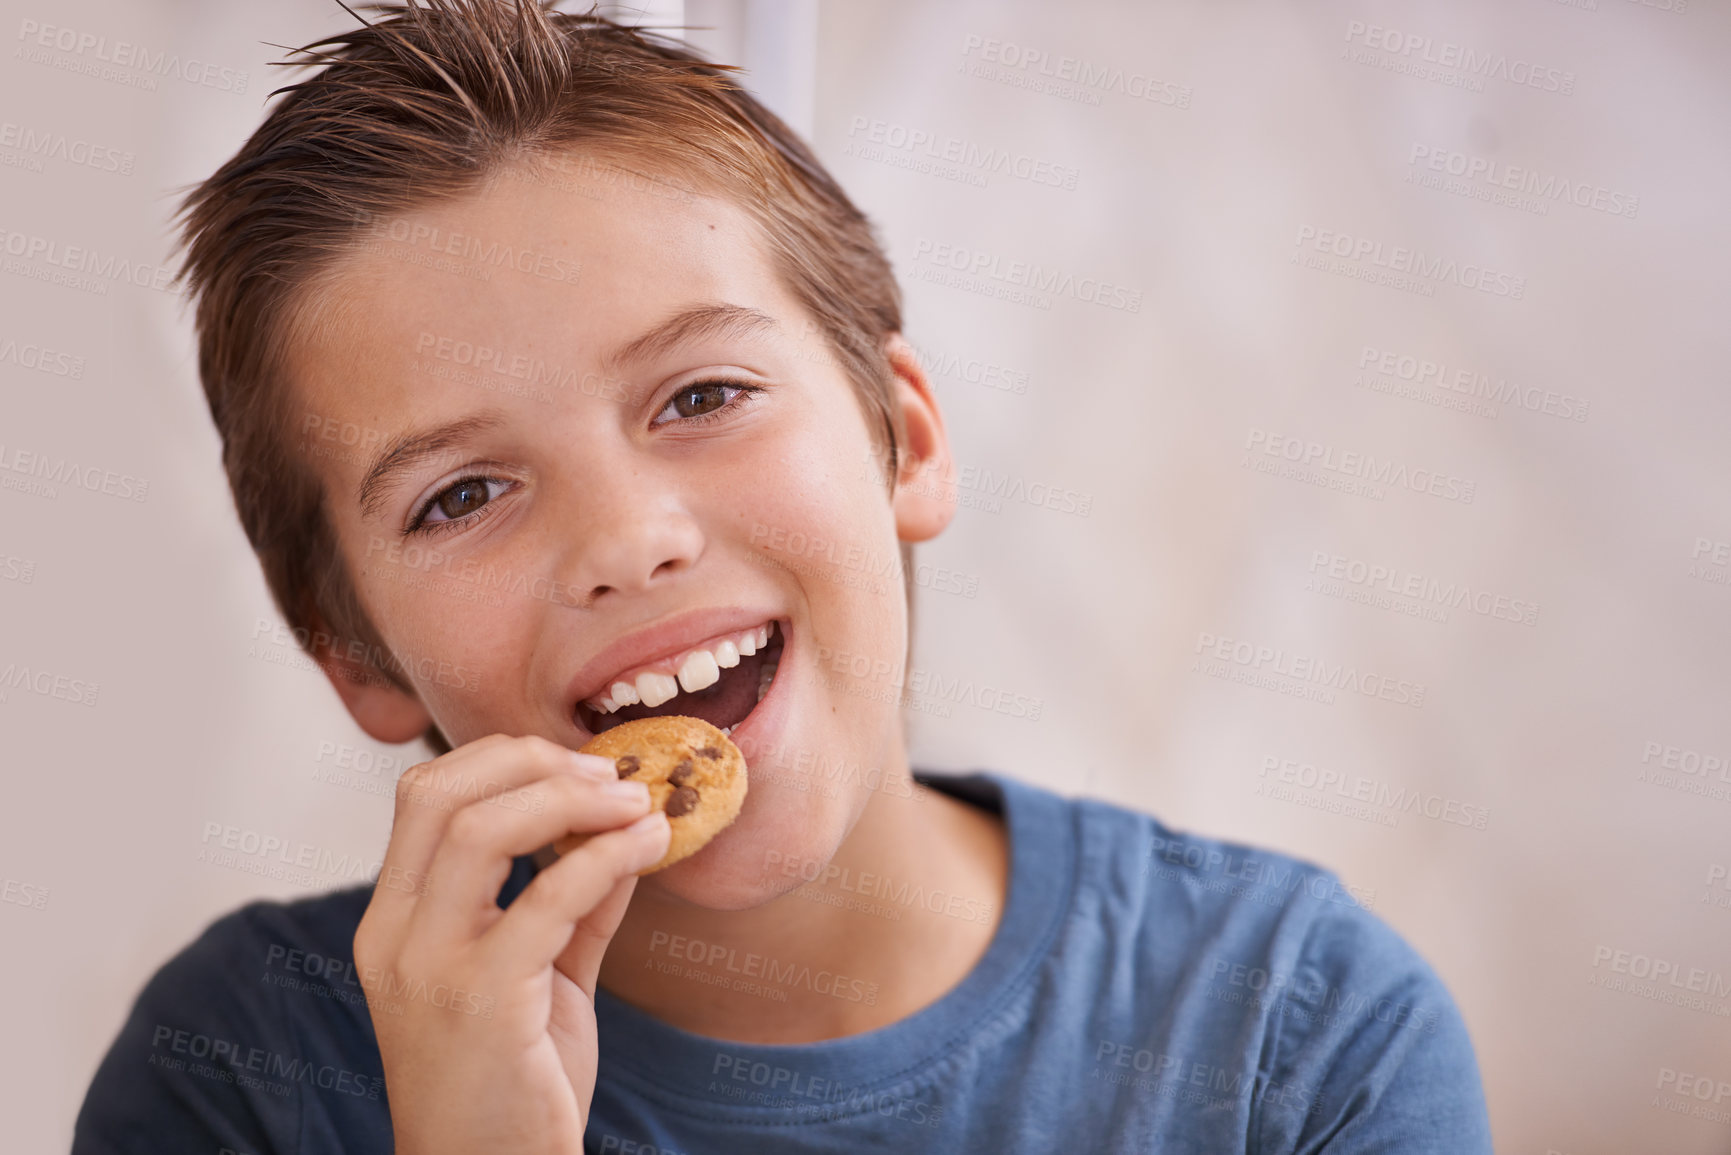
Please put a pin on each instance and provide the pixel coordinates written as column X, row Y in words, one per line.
column 925, row 493
column 386, row 713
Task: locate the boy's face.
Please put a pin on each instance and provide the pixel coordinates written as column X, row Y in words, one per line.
column 605, row 493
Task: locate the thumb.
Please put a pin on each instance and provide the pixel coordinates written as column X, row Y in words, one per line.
column 580, row 961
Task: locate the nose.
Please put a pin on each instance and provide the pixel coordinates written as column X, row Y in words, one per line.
column 632, row 541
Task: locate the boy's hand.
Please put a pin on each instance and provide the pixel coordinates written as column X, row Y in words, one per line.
column 485, row 1017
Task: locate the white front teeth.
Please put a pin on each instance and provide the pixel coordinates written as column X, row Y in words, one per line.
column 700, row 670
column 655, row 689
column 697, row 670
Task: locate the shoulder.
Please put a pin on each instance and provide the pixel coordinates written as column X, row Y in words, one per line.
column 225, row 1039
column 1351, row 1033
column 1368, row 1035
column 1167, row 874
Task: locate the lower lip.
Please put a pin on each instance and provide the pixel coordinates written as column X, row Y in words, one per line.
column 757, row 732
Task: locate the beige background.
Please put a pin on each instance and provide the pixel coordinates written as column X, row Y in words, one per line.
column 1275, row 122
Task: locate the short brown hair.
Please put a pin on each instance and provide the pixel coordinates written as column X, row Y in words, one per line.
column 423, row 104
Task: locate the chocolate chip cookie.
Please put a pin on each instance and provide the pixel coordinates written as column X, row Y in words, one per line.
column 694, row 773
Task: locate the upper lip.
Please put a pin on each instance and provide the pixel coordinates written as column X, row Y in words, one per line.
column 662, row 639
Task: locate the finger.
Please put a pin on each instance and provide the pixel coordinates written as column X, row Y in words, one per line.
column 536, row 928
column 429, row 794
column 580, row 961
column 482, row 838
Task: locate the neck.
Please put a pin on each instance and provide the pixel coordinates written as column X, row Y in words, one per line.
column 915, row 894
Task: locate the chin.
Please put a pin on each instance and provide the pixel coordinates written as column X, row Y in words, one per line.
column 742, row 867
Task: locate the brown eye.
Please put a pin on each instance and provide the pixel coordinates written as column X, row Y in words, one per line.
column 704, row 401
column 463, row 498
column 703, row 397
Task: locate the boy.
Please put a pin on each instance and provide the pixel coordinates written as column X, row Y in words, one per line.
column 615, row 351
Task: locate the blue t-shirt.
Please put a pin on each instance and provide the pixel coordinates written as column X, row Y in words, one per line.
column 1144, row 991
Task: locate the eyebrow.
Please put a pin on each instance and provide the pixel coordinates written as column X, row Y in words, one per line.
column 689, row 324
column 411, row 449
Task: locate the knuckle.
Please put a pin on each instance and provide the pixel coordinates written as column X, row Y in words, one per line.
column 564, row 793
column 542, row 751
column 411, row 780
column 368, row 946
column 469, row 826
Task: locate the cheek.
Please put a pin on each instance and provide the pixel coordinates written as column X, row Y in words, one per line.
column 451, row 625
column 817, row 497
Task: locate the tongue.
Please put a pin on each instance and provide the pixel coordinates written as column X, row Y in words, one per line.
column 722, row 705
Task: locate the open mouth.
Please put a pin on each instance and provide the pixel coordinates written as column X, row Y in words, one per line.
column 721, row 680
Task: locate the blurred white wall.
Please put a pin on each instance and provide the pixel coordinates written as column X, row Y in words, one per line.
column 1322, row 232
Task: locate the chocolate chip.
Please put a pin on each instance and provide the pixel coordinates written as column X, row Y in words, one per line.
column 710, row 752
column 683, row 801
column 627, row 766
column 681, row 773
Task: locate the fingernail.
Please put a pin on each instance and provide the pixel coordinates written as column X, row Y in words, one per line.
column 626, row 788
column 653, row 818
column 595, row 766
